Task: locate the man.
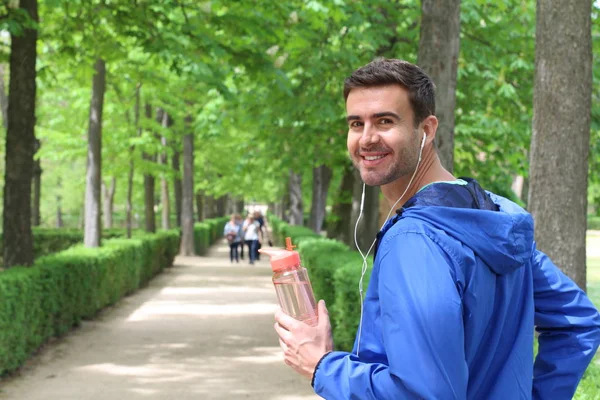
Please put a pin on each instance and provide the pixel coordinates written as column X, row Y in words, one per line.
column 457, row 283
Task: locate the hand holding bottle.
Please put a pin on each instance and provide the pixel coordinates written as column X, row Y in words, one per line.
column 304, row 345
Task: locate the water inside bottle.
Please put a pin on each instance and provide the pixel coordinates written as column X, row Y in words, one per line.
column 297, row 300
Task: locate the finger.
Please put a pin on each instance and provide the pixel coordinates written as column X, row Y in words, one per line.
column 323, row 313
column 285, row 321
column 283, row 346
column 283, row 334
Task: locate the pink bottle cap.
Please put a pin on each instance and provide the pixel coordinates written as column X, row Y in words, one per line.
column 282, row 259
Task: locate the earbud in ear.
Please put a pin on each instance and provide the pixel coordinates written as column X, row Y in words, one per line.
column 424, row 139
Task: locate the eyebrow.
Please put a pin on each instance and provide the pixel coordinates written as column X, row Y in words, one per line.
column 376, row 115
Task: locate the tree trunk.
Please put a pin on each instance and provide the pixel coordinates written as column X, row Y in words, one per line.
column 149, row 187
column 438, row 56
column 296, row 204
column 20, row 137
column 369, row 222
column 339, row 227
column 239, row 206
column 187, row 210
column 177, row 186
column 92, row 231
column 59, row 217
column 164, row 183
column 108, row 202
column 277, row 209
column 221, row 204
column 285, row 206
column 561, row 133
column 209, row 207
column 129, row 206
column 3, row 98
column 37, row 187
column 321, row 179
column 200, row 206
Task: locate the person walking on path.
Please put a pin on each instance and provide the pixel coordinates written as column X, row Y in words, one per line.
column 252, row 236
column 239, row 221
column 232, row 233
column 457, row 284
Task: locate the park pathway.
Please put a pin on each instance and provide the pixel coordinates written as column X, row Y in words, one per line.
column 201, row 330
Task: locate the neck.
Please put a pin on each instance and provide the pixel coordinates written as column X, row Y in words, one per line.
column 430, row 170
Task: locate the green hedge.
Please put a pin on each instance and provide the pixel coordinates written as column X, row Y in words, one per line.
column 593, row 222
column 207, row 232
column 48, row 241
column 298, row 233
column 52, row 240
column 346, row 306
column 202, row 237
column 60, row 290
column 321, row 257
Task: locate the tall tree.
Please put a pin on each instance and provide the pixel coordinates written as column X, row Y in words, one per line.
column 149, row 186
column 3, row 98
column 164, row 182
column 187, row 209
column 20, row 138
column 200, row 206
column 92, row 229
column 438, row 56
column 296, row 204
column 561, row 132
column 368, row 225
column 37, row 186
column 130, row 172
column 320, row 183
column 59, row 214
column 341, row 215
column 108, row 194
column 177, row 189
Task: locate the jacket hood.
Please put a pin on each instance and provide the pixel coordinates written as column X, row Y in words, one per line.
column 496, row 229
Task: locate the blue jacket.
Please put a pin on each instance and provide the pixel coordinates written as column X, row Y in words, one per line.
column 456, row 289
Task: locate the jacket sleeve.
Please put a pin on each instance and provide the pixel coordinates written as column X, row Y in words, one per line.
column 422, row 331
column 569, row 331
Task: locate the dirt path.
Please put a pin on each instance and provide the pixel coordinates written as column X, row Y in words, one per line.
column 201, row 330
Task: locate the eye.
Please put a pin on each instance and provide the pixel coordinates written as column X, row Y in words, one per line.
column 356, row 124
column 385, row 121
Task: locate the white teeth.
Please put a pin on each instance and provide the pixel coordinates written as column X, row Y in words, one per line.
column 371, row 158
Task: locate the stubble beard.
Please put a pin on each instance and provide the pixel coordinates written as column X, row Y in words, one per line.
column 406, row 162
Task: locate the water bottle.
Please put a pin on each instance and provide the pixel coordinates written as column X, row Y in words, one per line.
column 292, row 285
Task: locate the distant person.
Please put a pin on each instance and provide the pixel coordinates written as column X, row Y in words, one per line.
column 258, row 217
column 252, row 237
column 232, row 233
column 239, row 221
column 457, row 284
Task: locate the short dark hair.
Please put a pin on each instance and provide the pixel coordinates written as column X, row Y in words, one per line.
column 382, row 71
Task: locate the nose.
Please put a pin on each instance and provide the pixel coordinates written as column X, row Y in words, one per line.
column 369, row 136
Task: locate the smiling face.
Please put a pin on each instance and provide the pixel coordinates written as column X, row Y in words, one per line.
column 382, row 140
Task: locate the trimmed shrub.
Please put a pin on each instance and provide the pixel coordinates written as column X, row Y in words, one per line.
column 593, row 222
column 321, row 257
column 297, row 233
column 207, row 232
column 49, row 241
column 202, row 237
column 346, row 307
column 60, row 290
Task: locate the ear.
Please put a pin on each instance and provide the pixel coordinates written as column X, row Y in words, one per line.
column 430, row 125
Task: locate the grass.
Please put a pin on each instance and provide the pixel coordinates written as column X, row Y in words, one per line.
column 589, row 388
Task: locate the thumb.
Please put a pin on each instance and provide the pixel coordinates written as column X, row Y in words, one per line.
column 323, row 312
